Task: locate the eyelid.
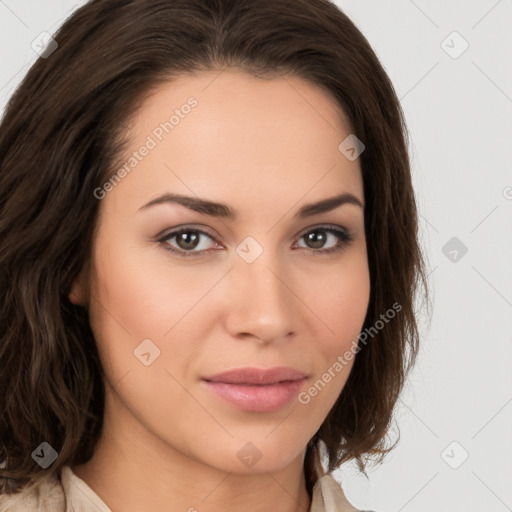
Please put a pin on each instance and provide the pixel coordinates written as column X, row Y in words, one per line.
column 333, row 227
column 189, row 227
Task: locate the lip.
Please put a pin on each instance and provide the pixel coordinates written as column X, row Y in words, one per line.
column 257, row 389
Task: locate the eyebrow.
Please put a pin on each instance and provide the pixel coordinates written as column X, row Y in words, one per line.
column 224, row 211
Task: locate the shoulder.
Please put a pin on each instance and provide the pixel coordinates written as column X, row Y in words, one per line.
column 44, row 494
column 328, row 496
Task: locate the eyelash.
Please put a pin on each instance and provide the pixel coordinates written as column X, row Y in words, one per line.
column 345, row 239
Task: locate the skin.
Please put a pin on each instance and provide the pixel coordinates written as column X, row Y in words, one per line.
column 265, row 148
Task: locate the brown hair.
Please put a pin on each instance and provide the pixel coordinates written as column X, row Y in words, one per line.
column 60, row 138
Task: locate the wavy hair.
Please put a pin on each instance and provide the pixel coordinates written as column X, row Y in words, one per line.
column 61, row 135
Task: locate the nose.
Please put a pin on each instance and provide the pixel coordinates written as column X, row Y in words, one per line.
column 262, row 303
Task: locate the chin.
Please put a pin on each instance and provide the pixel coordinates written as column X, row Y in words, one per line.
column 242, row 456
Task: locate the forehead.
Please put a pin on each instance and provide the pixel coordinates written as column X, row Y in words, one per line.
column 214, row 133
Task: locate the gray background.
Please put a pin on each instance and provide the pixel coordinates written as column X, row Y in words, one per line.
column 458, row 401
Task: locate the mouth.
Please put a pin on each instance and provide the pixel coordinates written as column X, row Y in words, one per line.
column 257, row 390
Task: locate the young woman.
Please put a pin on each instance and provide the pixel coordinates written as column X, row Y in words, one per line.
column 209, row 258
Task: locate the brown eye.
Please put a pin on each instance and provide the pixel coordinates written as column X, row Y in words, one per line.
column 188, row 242
column 317, row 238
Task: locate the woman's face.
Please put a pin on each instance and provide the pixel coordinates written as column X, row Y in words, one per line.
column 254, row 289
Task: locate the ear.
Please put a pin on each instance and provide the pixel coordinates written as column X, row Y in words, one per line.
column 77, row 294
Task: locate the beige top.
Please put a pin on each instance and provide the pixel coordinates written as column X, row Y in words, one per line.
column 72, row 494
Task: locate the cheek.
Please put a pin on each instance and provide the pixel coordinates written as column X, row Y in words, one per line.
column 137, row 295
column 341, row 302
column 341, row 309
column 142, row 294
column 132, row 302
